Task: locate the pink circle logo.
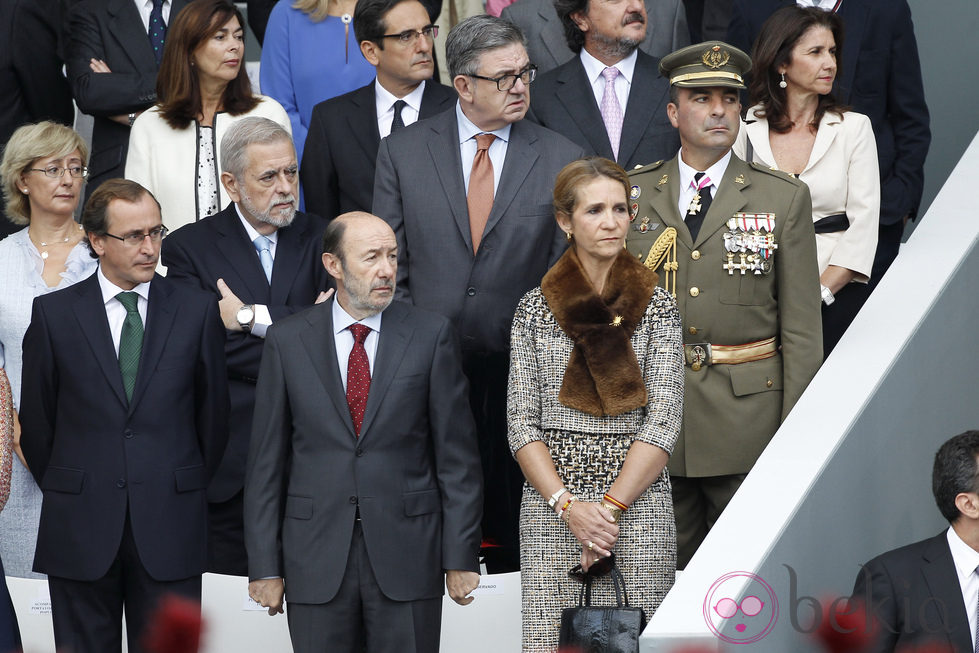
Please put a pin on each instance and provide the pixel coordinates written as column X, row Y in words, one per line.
column 753, row 616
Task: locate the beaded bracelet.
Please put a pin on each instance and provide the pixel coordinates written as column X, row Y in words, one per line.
column 565, row 513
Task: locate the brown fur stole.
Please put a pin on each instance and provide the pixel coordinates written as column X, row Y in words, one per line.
column 603, row 375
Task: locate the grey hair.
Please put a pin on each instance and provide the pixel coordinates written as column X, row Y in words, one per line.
column 468, row 40
column 248, row 131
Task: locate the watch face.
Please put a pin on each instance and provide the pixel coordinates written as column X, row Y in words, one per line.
column 245, row 315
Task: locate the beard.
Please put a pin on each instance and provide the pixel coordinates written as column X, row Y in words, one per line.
column 278, row 219
column 619, row 46
column 359, row 292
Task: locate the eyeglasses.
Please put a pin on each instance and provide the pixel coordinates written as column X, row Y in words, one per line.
column 506, row 82
column 409, row 36
column 597, row 569
column 136, row 238
column 57, row 171
column 750, row 606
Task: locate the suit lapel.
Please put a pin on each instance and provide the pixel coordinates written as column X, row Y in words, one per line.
column 729, row 199
column 94, row 326
column 433, row 102
column 127, row 27
column 829, row 129
column 394, row 338
column 646, row 100
column 854, row 14
column 160, row 314
column 233, row 245
column 663, row 202
column 362, row 121
column 444, row 150
column 321, row 346
column 552, row 34
column 288, row 250
column 521, row 155
column 943, row 584
column 757, row 134
column 575, row 93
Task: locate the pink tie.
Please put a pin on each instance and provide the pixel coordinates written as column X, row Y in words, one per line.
column 358, row 376
column 611, row 111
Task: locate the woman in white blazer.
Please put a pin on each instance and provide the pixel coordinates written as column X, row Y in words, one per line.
column 795, row 125
column 175, row 146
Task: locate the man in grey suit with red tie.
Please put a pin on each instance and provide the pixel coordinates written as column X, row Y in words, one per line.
column 468, row 194
column 124, row 409
column 363, row 488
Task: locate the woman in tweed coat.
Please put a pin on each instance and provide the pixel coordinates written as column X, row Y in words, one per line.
column 594, row 406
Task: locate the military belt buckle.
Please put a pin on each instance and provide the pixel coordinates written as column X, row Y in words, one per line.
column 697, row 355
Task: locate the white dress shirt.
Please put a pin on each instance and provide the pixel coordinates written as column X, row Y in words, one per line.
column 115, row 311
column 687, row 191
column 263, row 320
column 467, row 147
column 622, row 83
column 385, row 100
column 966, row 559
column 145, row 8
column 344, row 338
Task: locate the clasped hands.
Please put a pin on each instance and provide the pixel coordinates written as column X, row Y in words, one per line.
column 592, row 524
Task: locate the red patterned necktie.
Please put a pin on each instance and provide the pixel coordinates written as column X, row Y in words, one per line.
column 358, row 376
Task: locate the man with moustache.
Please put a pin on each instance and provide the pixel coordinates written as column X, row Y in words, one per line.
column 397, row 37
column 547, row 44
column 124, row 410
column 468, row 194
column 610, row 99
column 259, row 259
column 735, row 244
column 363, row 490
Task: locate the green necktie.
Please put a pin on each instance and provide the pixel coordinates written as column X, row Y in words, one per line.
column 130, row 342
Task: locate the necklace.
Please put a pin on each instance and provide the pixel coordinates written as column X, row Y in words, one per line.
column 44, row 254
column 346, row 18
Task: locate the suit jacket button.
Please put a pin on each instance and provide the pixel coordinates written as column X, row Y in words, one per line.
column 353, row 500
column 695, row 254
column 693, row 331
column 121, row 483
column 471, row 291
column 128, row 433
column 694, row 291
column 359, row 452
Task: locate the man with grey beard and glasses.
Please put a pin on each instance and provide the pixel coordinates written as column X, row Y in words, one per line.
column 610, row 99
column 260, row 258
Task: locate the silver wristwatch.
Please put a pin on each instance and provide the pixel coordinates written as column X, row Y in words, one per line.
column 246, row 317
column 827, row 295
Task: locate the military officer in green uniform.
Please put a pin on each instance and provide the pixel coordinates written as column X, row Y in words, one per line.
column 735, row 244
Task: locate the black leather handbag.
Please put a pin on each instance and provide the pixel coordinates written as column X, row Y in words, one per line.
column 602, row 629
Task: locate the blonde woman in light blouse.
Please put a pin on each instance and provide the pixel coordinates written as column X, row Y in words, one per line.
column 43, row 173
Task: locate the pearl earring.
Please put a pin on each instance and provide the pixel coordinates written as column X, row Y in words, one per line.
column 782, row 83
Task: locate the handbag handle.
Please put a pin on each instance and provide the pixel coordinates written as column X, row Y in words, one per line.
column 618, row 583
